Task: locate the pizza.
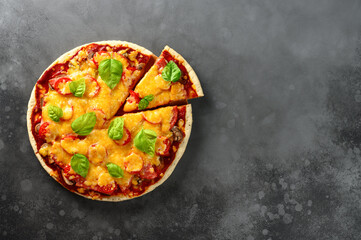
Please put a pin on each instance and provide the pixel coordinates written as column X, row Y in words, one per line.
column 100, row 124
column 170, row 80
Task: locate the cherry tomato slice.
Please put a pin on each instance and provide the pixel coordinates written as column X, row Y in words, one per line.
column 72, row 176
column 133, row 97
column 43, row 130
column 60, row 85
column 162, row 149
column 148, row 172
column 107, row 189
column 152, row 122
column 161, row 63
column 93, row 86
column 70, row 136
column 174, row 117
column 96, row 63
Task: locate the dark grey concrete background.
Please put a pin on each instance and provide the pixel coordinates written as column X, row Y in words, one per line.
column 275, row 147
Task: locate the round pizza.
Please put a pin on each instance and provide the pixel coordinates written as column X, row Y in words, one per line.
column 110, row 120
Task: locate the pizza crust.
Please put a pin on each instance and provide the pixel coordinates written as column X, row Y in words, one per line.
column 188, row 123
column 192, row 75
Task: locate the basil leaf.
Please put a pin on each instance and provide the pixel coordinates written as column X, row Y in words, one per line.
column 115, row 171
column 84, row 124
column 149, row 97
column 145, row 141
column 115, row 130
column 55, row 113
column 80, row 164
column 77, row 88
column 110, row 70
column 143, row 103
column 171, row 72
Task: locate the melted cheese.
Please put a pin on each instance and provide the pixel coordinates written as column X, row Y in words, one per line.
column 105, row 103
column 100, row 149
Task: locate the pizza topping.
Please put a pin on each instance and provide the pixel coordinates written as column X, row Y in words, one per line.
column 115, row 171
column 162, row 146
column 125, row 181
column 65, row 177
column 37, row 127
column 143, row 103
column 92, row 87
column 171, row 72
column 140, row 66
column 103, row 182
column 177, row 134
column 133, row 163
column 44, row 149
column 161, row 63
column 126, row 138
column 97, row 153
column 134, row 97
column 115, row 130
column 55, row 113
column 145, row 141
column 44, row 130
column 80, row 164
column 41, row 102
column 174, row 117
column 152, row 117
column 110, row 70
column 61, row 85
column 84, row 124
column 99, row 56
column 148, row 172
column 70, row 144
column 100, row 117
column 67, row 112
column 77, row 88
column 178, row 91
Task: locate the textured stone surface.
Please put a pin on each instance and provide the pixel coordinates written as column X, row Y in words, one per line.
column 275, row 146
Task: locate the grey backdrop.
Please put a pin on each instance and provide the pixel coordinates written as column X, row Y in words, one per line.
column 275, row 147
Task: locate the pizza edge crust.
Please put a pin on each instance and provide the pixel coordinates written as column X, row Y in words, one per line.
column 192, row 75
column 54, row 175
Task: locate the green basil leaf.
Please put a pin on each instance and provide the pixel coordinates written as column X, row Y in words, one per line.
column 84, row 124
column 143, row 103
column 55, row 113
column 110, row 70
column 77, row 88
column 171, row 72
column 149, row 97
column 115, row 171
column 145, row 141
column 115, row 130
column 80, row 164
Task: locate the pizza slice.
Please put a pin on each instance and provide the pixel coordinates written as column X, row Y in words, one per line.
column 129, row 157
column 171, row 80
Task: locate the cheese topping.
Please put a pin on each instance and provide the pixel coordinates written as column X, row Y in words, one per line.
column 98, row 97
column 100, row 149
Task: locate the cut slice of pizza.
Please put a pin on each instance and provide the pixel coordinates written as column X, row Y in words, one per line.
column 129, row 157
column 171, row 80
